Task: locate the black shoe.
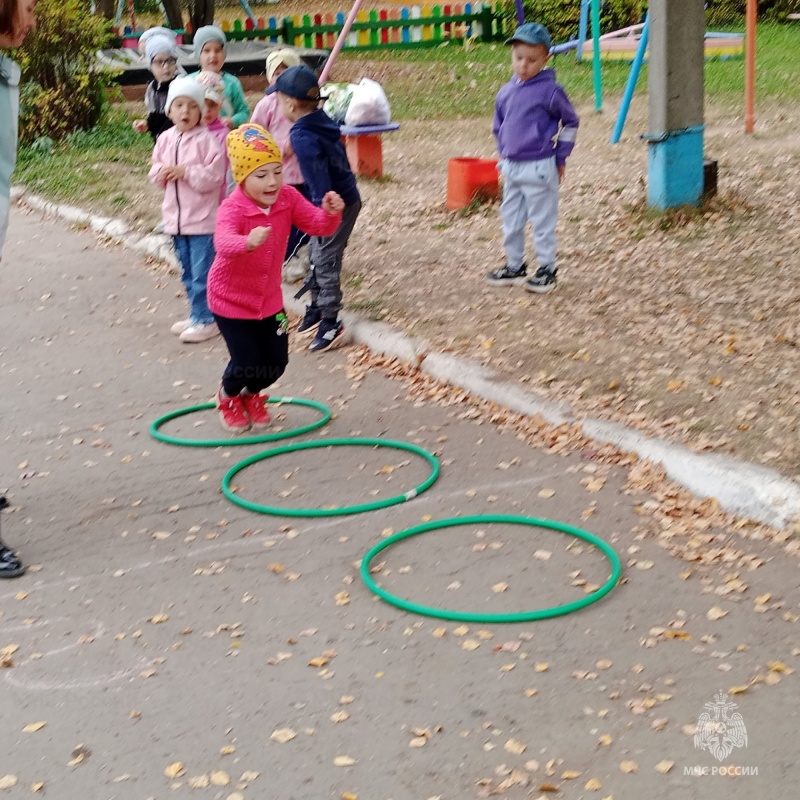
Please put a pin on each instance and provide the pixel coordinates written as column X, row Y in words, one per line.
column 328, row 331
column 505, row 276
column 310, row 320
column 543, row 281
column 10, row 565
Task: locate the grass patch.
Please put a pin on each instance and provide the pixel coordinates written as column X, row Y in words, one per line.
column 455, row 82
column 88, row 164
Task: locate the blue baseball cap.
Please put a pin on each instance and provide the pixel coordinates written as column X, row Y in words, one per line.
column 298, row 82
column 531, row 33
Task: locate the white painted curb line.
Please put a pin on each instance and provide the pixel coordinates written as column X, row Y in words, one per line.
column 738, row 486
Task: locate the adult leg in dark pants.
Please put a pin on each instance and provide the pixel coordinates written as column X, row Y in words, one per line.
column 10, row 565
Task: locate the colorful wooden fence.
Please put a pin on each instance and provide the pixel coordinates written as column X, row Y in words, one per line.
column 397, row 27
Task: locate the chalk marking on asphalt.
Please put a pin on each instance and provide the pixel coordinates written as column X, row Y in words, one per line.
column 334, row 522
column 13, row 676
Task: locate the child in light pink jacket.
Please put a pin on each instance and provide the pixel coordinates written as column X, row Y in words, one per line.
column 244, row 286
column 188, row 163
column 268, row 115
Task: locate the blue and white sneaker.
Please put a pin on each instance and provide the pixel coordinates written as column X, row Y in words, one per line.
column 329, row 330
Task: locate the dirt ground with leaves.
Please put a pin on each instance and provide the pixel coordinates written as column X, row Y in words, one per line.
column 685, row 325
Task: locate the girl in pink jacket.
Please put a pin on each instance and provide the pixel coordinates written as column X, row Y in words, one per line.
column 244, row 285
column 189, row 164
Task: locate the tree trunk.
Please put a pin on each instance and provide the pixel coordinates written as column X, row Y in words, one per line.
column 172, row 9
column 106, row 8
column 201, row 13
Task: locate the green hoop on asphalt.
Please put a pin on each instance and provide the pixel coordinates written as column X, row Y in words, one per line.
column 156, row 433
column 524, row 616
column 329, row 512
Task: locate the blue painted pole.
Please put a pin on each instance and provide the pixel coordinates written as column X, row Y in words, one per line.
column 583, row 29
column 633, row 77
column 249, row 11
column 598, row 78
column 520, row 13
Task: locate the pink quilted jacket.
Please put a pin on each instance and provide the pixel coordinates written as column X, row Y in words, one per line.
column 247, row 285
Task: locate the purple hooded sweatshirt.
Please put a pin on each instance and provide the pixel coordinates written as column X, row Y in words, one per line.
column 534, row 120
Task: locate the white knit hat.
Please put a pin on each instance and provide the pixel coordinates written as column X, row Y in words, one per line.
column 156, row 45
column 185, row 87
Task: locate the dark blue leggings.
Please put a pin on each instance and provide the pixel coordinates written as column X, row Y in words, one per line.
column 259, row 350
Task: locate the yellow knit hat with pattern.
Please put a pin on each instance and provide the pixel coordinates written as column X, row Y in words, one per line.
column 250, row 147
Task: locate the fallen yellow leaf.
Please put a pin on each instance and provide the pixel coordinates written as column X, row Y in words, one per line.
column 343, row 599
column 7, row 781
column 514, row 747
column 343, row 761
column 220, row 778
column 174, row 770
column 628, row 766
column 716, row 613
column 283, row 735
column 664, row 766
column 32, row 727
column 593, row 785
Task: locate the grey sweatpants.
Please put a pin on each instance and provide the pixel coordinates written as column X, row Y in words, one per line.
column 326, row 253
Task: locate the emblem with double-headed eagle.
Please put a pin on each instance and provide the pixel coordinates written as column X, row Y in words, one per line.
column 719, row 731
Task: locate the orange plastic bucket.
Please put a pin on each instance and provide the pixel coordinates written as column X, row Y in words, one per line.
column 470, row 178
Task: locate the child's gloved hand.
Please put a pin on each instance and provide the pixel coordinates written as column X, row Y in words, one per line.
column 140, row 125
column 228, row 122
column 257, row 237
column 333, row 203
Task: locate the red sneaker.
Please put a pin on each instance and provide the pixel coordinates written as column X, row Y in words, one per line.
column 256, row 407
column 232, row 413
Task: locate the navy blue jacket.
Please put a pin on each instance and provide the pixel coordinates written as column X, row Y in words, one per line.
column 317, row 143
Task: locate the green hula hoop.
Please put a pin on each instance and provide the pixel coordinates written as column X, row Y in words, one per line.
column 332, row 512
column 155, row 431
column 524, row 616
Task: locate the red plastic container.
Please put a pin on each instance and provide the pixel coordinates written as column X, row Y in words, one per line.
column 471, row 178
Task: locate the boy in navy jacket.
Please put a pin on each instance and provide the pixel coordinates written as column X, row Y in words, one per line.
column 317, row 143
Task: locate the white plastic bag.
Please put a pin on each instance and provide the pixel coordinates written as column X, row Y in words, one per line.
column 368, row 105
column 337, row 100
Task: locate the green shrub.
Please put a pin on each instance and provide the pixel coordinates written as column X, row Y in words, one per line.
column 561, row 17
column 63, row 89
column 731, row 12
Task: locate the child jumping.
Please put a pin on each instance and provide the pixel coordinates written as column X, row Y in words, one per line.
column 244, row 286
column 535, row 127
column 268, row 115
column 162, row 58
column 317, row 143
column 190, row 166
column 210, row 46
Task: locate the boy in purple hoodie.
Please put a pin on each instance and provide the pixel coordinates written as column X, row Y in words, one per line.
column 535, row 127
